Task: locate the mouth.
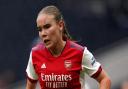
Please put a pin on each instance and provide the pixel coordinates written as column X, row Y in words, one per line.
column 46, row 41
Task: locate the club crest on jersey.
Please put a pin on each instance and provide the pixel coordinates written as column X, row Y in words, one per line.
column 68, row 64
column 43, row 66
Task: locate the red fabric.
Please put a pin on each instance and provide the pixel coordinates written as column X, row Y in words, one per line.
column 97, row 73
column 58, row 72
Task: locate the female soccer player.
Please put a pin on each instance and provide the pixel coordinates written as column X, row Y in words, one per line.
column 58, row 62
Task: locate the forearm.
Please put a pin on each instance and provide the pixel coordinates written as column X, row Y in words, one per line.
column 105, row 83
column 104, row 80
column 30, row 85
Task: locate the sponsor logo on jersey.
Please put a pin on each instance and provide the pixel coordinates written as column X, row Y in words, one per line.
column 93, row 60
column 56, row 80
column 43, row 66
column 68, row 64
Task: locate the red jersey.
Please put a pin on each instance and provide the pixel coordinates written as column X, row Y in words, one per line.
column 64, row 71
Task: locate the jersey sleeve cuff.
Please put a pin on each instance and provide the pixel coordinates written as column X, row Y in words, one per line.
column 95, row 75
column 30, row 79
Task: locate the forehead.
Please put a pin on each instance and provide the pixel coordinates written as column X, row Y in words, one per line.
column 44, row 19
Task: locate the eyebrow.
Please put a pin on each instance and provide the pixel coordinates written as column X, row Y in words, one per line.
column 47, row 25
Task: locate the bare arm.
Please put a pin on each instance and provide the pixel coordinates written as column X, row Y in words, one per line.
column 31, row 85
column 104, row 80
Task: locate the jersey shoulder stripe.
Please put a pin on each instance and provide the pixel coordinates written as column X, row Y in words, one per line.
column 76, row 46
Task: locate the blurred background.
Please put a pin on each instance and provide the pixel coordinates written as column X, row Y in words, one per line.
column 101, row 25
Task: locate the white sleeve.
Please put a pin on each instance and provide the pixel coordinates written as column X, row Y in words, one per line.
column 89, row 63
column 31, row 74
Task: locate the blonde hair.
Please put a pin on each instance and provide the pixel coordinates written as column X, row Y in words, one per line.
column 53, row 10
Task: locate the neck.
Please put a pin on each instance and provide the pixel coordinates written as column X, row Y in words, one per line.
column 57, row 50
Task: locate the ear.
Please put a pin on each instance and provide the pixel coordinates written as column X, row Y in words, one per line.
column 61, row 24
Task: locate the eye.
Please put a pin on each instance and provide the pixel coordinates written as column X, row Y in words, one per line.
column 47, row 26
column 39, row 29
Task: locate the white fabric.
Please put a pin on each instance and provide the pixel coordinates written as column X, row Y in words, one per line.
column 89, row 63
column 30, row 69
column 89, row 66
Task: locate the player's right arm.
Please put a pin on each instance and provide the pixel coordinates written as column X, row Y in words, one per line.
column 32, row 77
column 30, row 85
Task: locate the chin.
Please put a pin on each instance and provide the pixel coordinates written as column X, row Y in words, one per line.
column 49, row 46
